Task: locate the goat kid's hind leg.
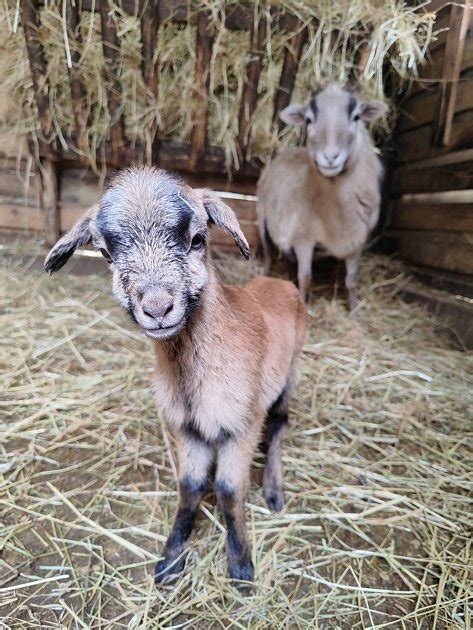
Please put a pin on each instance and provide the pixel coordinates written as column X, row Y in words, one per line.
column 276, row 423
column 352, row 264
column 231, row 485
column 195, row 460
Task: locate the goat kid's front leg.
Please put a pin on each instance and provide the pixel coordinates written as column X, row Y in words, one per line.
column 195, row 459
column 352, row 264
column 231, row 485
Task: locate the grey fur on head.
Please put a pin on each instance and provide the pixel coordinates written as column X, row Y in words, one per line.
column 153, row 230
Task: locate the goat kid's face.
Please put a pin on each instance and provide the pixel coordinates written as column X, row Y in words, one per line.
column 335, row 120
column 153, row 232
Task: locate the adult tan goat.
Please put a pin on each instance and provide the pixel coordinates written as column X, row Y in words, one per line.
column 328, row 193
column 225, row 356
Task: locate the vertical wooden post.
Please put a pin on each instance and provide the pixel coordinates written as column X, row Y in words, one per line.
column 37, row 60
column 460, row 15
column 78, row 92
column 287, row 80
column 149, row 36
column 49, row 201
column 205, row 37
column 111, row 47
column 250, row 91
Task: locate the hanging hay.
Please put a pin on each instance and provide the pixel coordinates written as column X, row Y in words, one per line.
column 394, row 36
column 377, row 484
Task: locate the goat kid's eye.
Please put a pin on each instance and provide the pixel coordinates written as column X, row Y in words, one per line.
column 356, row 117
column 106, row 255
column 198, row 241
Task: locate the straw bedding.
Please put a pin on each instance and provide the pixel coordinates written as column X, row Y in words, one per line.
column 378, row 470
column 398, row 34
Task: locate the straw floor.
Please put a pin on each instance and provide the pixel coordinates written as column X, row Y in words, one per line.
column 374, row 532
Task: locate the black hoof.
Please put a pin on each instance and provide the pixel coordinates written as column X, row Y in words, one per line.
column 168, row 570
column 242, row 571
column 274, row 500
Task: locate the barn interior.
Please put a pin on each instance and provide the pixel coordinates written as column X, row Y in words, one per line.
column 378, row 456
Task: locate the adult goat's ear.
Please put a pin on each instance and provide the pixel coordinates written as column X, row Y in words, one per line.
column 293, row 114
column 224, row 218
column 79, row 234
column 372, row 110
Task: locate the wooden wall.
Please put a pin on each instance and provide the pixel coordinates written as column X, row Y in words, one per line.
column 22, row 209
column 431, row 213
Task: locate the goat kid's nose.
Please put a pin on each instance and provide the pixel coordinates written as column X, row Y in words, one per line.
column 157, row 306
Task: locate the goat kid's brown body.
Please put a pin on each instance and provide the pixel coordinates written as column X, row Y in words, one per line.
column 232, row 368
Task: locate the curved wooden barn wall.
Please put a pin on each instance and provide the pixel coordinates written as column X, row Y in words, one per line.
column 431, row 215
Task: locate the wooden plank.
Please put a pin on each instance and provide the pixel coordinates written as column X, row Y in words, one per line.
column 419, row 110
column 49, row 201
column 204, row 44
column 14, row 216
column 38, row 68
column 78, row 91
column 445, row 109
column 111, row 46
column 448, row 218
column 441, row 26
column 458, row 176
column 289, row 69
column 249, row 97
column 15, row 186
column 175, row 156
column 416, row 145
column 149, row 67
column 457, row 313
column 450, row 251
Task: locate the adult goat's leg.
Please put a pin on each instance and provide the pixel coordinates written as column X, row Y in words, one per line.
column 195, row 460
column 352, row 264
column 304, row 253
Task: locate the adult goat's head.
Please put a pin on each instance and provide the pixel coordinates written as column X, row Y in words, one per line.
column 335, row 118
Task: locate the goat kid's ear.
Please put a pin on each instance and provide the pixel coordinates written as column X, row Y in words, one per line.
column 372, row 110
column 293, row 115
column 224, row 218
column 79, row 234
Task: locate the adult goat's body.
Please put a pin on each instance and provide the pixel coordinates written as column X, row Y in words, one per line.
column 306, row 199
column 225, row 356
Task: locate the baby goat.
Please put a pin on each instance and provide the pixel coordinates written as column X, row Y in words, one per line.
column 225, row 356
column 327, row 193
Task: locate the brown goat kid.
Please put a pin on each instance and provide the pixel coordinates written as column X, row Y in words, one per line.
column 225, row 355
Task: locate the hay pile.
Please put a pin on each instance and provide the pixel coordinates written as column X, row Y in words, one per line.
column 398, row 33
column 378, row 471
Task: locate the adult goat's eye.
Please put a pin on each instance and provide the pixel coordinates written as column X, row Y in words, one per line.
column 106, row 255
column 356, row 117
column 198, row 241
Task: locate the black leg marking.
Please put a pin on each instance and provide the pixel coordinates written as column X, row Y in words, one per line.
column 278, row 416
column 191, row 493
column 240, row 566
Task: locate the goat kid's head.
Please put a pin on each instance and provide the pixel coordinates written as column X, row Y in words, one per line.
column 335, row 118
column 153, row 230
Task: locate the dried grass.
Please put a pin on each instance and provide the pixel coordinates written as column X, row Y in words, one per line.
column 399, row 34
column 375, row 532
